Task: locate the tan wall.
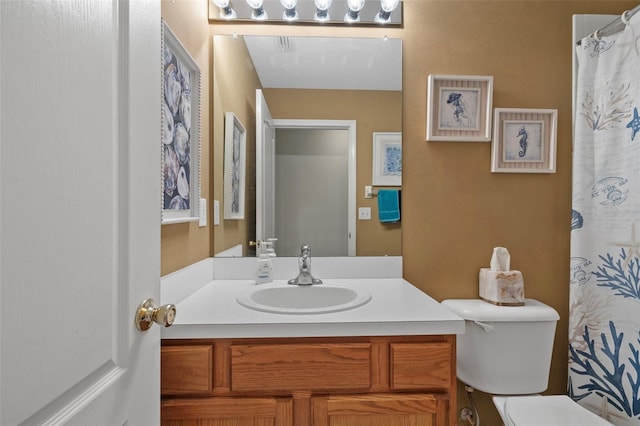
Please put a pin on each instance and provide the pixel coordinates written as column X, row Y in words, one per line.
column 234, row 90
column 454, row 209
column 374, row 111
column 185, row 243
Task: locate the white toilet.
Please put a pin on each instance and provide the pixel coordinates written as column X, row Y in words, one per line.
column 506, row 351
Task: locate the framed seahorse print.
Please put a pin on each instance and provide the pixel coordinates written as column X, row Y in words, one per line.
column 524, row 140
column 459, row 108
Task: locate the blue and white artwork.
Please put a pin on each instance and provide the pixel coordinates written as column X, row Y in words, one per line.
column 387, row 159
column 235, row 151
column 176, row 131
column 180, row 117
column 392, row 161
column 523, row 141
column 459, row 108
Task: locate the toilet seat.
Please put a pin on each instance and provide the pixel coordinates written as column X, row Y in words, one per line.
column 555, row 410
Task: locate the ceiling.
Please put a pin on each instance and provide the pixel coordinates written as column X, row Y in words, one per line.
column 327, row 62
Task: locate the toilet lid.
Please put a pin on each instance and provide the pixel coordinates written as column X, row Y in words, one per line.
column 556, row 410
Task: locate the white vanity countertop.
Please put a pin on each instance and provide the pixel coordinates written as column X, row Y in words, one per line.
column 396, row 308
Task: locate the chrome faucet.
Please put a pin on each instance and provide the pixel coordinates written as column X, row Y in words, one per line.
column 304, row 262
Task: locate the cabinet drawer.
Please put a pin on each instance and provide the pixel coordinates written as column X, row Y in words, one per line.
column 186, row 370
column 227, row 411
column 421, row 365
column 313, row 366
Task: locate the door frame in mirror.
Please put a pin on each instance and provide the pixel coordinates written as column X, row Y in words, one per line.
column 350, row 127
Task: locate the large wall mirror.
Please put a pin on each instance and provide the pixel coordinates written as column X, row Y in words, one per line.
column 310, row 106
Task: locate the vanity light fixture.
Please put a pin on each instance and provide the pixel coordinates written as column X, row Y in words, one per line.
column 322, row 10
column 258, row 13
column 226, row 11
column 353, row 11
column 386, row 7
column 290, row 13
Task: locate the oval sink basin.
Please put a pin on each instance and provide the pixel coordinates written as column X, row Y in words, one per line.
column 298, row 299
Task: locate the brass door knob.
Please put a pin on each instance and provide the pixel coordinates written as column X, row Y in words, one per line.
column 148, row 313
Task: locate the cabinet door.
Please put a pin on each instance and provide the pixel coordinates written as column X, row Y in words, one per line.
column 425, row 367
column 186, row 370
column 379, row 410
column 227, row 412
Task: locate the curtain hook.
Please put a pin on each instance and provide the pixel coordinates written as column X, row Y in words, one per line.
column 624, row 18
column 596, row 36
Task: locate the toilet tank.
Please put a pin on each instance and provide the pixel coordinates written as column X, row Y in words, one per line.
column 505, row 350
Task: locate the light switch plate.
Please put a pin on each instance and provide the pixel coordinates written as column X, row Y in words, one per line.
column 216, row 212
column 364, row 213
column 368, row 191
column 203, row 213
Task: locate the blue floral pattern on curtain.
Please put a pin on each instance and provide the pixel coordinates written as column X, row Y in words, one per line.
column 604, row 311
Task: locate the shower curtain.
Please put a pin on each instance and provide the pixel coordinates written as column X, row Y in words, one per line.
column 604, row 311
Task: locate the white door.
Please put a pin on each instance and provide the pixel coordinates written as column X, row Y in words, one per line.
column 79, row 211
column 265, row 170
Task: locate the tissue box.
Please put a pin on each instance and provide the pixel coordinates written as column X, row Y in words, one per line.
column 505, row 288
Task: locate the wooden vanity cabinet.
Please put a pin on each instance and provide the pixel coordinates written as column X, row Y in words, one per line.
column 350, row 381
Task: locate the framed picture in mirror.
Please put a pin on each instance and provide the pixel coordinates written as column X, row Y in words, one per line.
column 524, row 140
column 459, row 108
column 387, row 159
column 235, row 146
column 180, row 132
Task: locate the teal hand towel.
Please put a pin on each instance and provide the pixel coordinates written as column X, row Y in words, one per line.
column 389, row 205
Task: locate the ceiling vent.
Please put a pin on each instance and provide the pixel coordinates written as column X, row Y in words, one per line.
column 284, row 44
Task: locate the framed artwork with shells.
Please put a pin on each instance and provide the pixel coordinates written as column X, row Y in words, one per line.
column 180, row 131
column 524, row 140
column 459, row 108
column 235, row 148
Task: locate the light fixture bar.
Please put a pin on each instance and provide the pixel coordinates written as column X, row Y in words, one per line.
column 388, row 13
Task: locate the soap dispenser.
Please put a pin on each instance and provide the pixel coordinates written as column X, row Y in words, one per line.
column 264, row 266
column 268, row 247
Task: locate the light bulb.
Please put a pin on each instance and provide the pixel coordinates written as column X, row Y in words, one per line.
column 353, row 12
column 386, row 7
column 322, row 6
column 288, row 4
column 389, row 5
column 355, row 5
column 226, row 11
column 258, row 11
column 290, row 13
